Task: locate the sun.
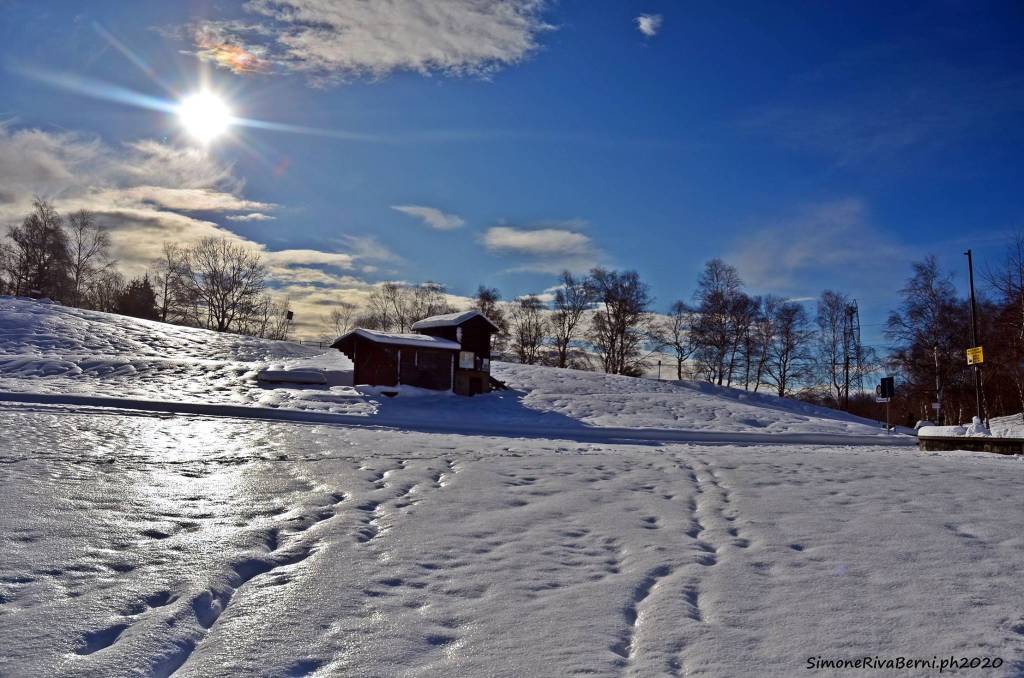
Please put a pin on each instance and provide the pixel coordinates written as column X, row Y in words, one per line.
column 205, row 116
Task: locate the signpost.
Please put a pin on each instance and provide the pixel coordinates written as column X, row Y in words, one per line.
column 974, row 340
column 885, row 391
column 975, row 356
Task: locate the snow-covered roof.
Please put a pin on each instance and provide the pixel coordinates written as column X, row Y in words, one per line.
column 423, row 340
column 450, row 320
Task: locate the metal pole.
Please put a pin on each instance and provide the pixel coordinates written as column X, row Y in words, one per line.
column 847, row 331
column 974, row 335
column 938, row 387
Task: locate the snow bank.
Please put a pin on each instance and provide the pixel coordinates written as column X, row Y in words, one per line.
column 976, row 429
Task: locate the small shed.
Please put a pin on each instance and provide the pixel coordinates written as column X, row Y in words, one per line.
column 388, row 359
column 448, row 352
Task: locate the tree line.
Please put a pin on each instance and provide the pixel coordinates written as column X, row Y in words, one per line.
column 605, row 320
column 214, row 283
column 931, row 330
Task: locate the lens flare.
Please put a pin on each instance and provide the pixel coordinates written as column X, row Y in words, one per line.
column 204, row 116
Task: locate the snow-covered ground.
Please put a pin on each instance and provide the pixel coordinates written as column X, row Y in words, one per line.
column 58, row 350
column 158, row 539
column 151, row 545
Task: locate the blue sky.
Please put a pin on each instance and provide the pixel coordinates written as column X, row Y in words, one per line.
column 811, row 144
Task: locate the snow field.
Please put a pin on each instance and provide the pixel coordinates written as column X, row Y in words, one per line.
column 207, row 547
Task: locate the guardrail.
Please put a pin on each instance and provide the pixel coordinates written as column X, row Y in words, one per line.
column 972, row 443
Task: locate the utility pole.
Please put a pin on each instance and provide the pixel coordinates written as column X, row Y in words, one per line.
column 847, row 334
column 974, row 336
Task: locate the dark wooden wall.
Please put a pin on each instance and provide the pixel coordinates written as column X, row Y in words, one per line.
column 377, row 364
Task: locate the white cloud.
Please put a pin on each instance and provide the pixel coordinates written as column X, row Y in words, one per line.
column 544, row 249
column 649, row 24
column 254, row 216
column 539, row 242
column 431, row 216
column 331, row 41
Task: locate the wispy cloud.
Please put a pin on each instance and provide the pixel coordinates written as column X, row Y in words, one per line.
column 431, row 216
column 546, row 249
column 331, row 42
column 831, row 241
column 649, row 24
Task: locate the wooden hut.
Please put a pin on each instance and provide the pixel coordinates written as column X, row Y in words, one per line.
column 448, row 352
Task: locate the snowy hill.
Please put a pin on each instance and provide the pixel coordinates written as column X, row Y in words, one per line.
column 52, row 348
column 538, row 540
column 47, row 348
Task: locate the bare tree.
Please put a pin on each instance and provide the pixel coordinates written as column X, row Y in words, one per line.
column 573, row 298
column 6, row 257
column 529, row 326
column 88, row 253
column 269, row 318
column 759, row 341
column 429, row 298
column 171, row 292
column 342, row 319
column 676, row 332
column 723, row 316
column 929, row 331
column 488, row 302
column 226, row 277
column 395, row 306
column 37, row 260
column 743, row 313
column 621, row 322
column 106, row 291
column 1007, row 282
column 831, row 350
column 789, row 354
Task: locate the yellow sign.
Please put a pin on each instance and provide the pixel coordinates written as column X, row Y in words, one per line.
column 975, row 356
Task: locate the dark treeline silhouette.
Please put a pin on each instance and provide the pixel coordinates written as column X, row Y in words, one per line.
column 931, row 330
column 215, row 283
